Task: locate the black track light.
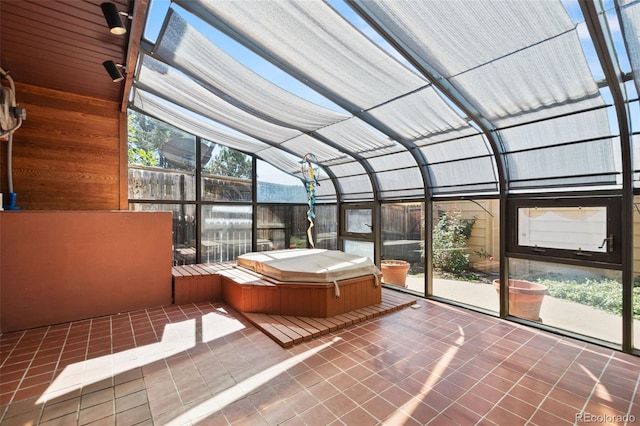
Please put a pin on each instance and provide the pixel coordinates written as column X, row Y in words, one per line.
column 113, row 17
column 114, row 72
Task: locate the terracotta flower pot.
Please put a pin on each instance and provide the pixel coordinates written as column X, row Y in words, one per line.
column 395, row 272
column 525, row 298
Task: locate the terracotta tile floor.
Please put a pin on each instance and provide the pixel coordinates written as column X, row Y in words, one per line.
column 205, row 364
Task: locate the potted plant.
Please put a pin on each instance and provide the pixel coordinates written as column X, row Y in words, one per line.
column 395, row 272
column 525, row 298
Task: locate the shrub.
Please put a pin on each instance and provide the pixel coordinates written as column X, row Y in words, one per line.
column 602, row 294
column 450, row 237
column 298, row 242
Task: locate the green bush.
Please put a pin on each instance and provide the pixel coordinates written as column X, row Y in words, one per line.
column 602, row 294
column 298, row 242
column 450, row 237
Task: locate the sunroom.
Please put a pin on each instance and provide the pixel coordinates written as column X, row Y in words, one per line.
column 488, row 148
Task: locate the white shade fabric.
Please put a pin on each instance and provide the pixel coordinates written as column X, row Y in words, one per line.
column 513, row 103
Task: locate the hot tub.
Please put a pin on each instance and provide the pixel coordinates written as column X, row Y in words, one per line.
column 308, row 265
column 303, row 282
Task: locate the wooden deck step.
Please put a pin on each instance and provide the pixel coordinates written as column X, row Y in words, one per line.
column 290, row 330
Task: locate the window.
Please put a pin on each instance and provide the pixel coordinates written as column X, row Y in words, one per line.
column 584, row 230
column 358, row 221
column 226, row 174
column 281, row 226
column 356, row 231
column 568, row 228
column 276, row 186
column 161, row 161
column 579, row 299
column 226, row 232
column 210, row 225
column 403, row 239
column 465, row 251
column 326, row 226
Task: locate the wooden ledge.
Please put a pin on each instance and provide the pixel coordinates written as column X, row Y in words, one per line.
column 289, row 330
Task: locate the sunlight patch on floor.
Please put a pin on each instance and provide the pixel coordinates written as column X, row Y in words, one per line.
column 218, row 402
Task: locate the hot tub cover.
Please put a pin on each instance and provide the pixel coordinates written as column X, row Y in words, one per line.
column 308, row 265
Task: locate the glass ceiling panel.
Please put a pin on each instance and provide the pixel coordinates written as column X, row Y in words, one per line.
column 399, row 160
column 471, row 146
column 586, row 163
column 563, row 157
column 358, row 137
column 325, row 191
column 513, row 58
column 421, row 114
column 454, row 174
column 405, row 181
column 445, row 137
column 196, row 125
column 465, row 176
column 548, row 79
column 356, row 187
column 315, row 41
column 404, row 193
column 178, row 88
column 184, row 47
column 282, row 160
column 348, row 169
column 630, row 15
column 192, row 123
column 571, row 128
column 325, row 154
column 515, row 62
column 350, row 174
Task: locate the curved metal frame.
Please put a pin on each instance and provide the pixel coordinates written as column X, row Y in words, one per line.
column 595, row 18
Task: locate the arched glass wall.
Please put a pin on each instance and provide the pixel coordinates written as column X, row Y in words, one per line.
column 212, row 200
column 424, row 117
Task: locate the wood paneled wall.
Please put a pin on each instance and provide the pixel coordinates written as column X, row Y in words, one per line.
column 69, row 154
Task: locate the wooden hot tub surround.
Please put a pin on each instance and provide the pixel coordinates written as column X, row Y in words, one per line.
column 289, row 311
column 248, row 291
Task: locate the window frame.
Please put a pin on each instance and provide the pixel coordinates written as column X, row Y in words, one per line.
column 611, row 257
column 360, row 236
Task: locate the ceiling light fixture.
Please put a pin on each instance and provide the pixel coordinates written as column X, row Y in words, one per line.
column 114, row 72
column 113, row 17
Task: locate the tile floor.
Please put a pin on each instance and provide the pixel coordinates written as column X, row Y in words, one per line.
column 205, row 364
